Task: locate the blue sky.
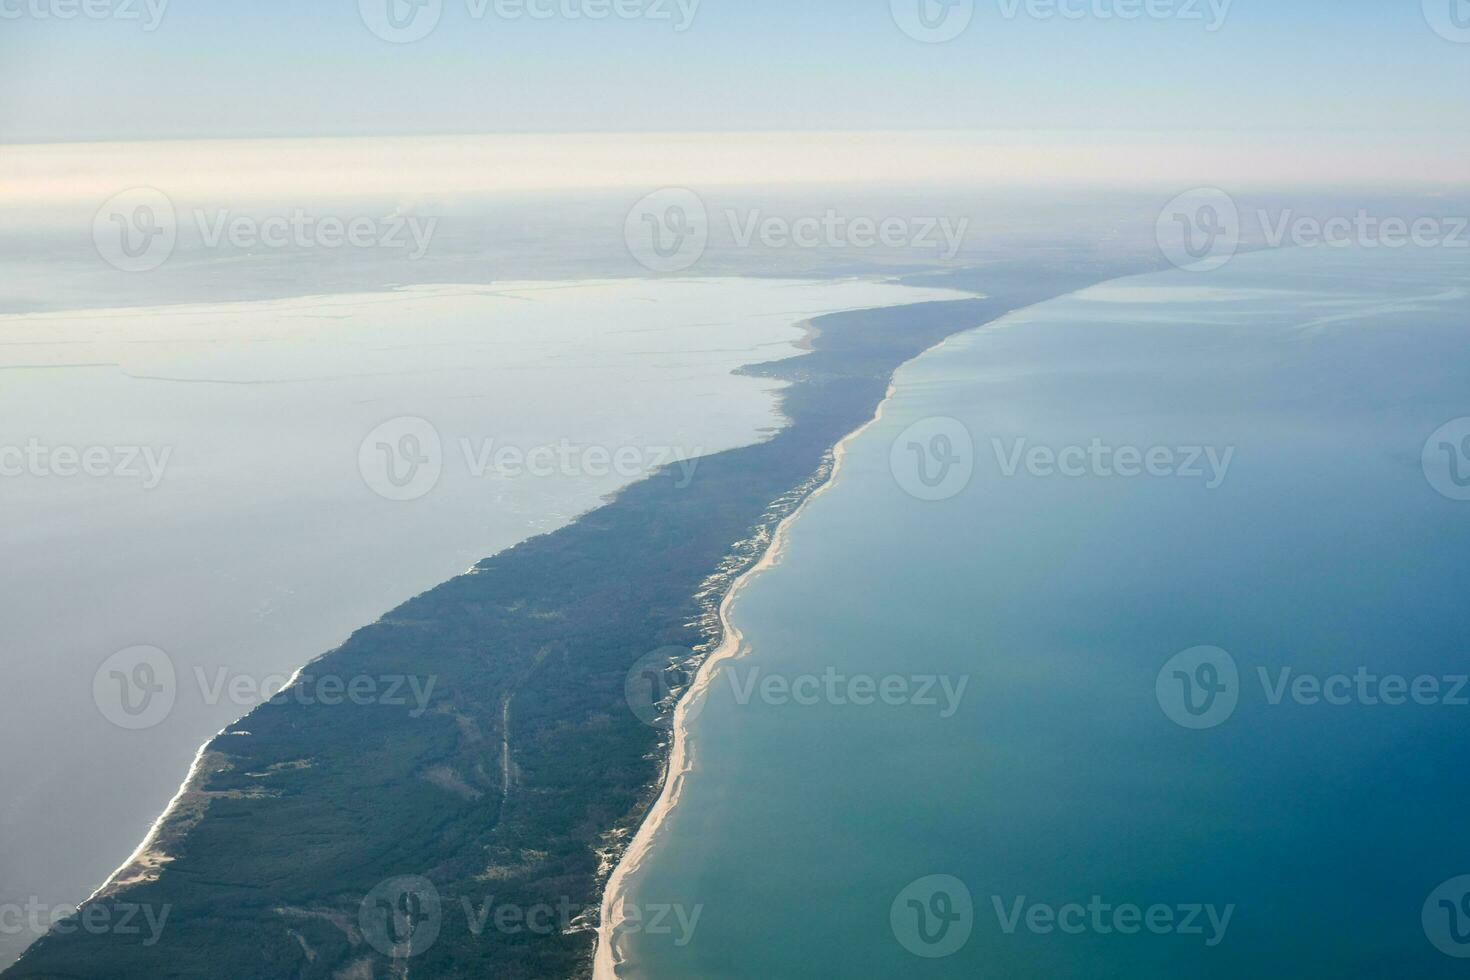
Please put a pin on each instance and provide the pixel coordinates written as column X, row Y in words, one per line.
column 293, row 67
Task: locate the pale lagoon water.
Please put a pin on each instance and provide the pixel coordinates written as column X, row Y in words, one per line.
column 264, row 545
column 1320, row 834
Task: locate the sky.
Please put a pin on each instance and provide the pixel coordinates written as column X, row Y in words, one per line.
column 178, row 69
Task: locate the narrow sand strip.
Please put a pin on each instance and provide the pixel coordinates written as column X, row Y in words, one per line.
column 608, row 957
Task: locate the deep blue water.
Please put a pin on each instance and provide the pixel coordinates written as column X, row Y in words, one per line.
column 1061, row 602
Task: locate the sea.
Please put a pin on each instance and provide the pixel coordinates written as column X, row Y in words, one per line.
column 1130, row 641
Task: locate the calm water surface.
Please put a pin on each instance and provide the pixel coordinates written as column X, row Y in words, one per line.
column 1078, row 765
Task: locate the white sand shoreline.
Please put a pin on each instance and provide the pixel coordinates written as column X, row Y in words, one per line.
column 607, row 957
column 148, row 858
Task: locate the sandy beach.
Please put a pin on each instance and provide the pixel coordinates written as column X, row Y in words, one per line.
column 607, row 958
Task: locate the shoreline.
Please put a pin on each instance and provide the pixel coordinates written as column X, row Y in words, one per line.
column 149, row 854
column 146, row 861
column 146, row 850
column 607, row 957
column 877, row 335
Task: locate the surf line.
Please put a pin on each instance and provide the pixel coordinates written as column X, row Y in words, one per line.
column 608, row 957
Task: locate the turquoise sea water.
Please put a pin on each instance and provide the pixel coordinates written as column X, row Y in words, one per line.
column 1330, row 834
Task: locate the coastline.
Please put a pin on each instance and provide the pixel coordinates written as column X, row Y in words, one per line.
column 607, row 957
column 148, row 858
column 749, row 496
